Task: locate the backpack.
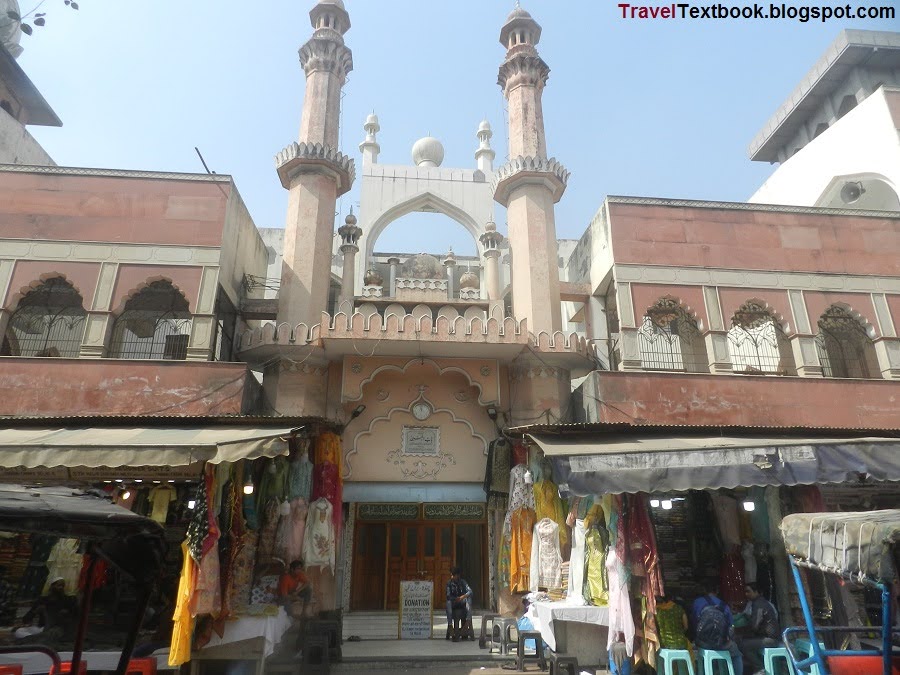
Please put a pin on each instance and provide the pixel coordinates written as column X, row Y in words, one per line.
column 712, row 628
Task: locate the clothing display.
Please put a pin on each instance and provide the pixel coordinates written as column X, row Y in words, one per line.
column 160, row 498
column 300, row 476
column 318, row 542
column 671, row 621
column 575, row 594
column 595, row 585
column 521, row 494
column 546, row 558
column 496, row 474
column 620, row 619
column 547, row 504
column 183, row 629
column 521, row 527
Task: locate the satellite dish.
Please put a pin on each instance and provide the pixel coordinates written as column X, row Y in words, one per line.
column 851, row 192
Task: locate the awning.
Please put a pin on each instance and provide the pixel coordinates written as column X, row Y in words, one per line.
column 615, row 464
column 149, row 446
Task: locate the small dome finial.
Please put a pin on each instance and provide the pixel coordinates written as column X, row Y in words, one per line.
column 428, row 152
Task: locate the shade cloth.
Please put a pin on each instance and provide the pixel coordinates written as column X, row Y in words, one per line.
column 854, row 543
column 148, row 446
column 269, row 629
column 616, row 464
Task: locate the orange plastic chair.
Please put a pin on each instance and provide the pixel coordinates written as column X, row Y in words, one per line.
column 141, row 667
column 860, row 665
column 66, row 668
column 11, row 669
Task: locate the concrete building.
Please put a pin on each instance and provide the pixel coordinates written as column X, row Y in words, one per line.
column 162, row 298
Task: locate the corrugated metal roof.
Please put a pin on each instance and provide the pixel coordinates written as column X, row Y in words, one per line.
column 732, row 430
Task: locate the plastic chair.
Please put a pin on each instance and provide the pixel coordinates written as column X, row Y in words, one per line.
column 66, row 667
column 11, row 669
column 482, row 639
column 141, row 667
column 708, row 658
column 501, row 634
column 559, row 661
column 538, row 649
column 770, row 654
column 804, row 648
column 669, row 657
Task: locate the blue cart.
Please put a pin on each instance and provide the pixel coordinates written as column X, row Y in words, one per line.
column 858, row 547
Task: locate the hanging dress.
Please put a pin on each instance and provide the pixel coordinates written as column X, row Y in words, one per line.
column 576, row 564
column 549, row 505
column 596, row 583
column 318, row 542
column 183, row 628
column 546, row 558
column 64, row 562
column 521, row 528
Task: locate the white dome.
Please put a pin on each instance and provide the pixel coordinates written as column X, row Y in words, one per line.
column 10, row 33
column 428, row 151
column 372, row 119
column 484, row 126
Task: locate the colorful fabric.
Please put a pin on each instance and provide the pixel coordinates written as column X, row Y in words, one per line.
column 183, row 628
column 521, row 526
column 496, row 475
column 504, row 555
column 670, row 622
column 160, row 497
column 549, row 505
column 596, row 584
column 621, row 621
column 64, row 561
column 300, row 476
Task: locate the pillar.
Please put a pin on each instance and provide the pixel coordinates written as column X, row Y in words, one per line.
column 450, row 264
column 394, row 262
column 349, row 234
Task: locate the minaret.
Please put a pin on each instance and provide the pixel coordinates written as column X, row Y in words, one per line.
column 349, row 234
column 530, row 183
column 313, row 170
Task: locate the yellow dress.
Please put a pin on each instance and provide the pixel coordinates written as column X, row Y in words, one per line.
column 547, row 504
column 183, row 628
column 521, row 526
column 595, row 563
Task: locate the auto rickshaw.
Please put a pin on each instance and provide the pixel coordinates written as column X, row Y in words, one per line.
column 857, row 547
column 131, row 543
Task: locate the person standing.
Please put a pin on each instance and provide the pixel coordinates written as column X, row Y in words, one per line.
column 459, row 595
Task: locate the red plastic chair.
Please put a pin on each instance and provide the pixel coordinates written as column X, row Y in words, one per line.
column 66, row 668
column 141, row 667
column 860, row 665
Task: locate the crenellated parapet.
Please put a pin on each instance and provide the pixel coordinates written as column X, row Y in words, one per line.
column 326, row 51
column 530, row 171
column 523, row 66
column 300, row 158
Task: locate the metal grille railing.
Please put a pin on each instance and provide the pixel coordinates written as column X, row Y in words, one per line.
column 156, row 324
column 757, row 343
column 669, row 339
column 49, row 321
column 140, row 334
column 845, row 350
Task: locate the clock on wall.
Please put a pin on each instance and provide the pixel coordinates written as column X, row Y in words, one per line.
column 421, row 411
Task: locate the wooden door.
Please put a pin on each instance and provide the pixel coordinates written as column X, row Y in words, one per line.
column 418, row 551
column 368, row 567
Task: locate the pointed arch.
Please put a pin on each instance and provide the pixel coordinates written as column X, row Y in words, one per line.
column 844, row 343
column 423, row 201
column 670, row 339
column 757, row 341
column 49, row 320
column 155, row 323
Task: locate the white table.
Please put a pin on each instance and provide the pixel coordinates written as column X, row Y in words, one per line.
column 245, row 638
column 580, row 630
column 35, row 662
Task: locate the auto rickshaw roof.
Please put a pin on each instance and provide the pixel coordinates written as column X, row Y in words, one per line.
column 133, row 543
column 856, row 544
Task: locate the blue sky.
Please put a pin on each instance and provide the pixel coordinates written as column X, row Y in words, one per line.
column 652, row 108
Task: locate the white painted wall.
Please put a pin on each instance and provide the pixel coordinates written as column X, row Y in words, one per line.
column 17, row 146
column 865, row 142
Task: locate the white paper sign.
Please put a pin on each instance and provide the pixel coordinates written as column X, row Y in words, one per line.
column 416, row 610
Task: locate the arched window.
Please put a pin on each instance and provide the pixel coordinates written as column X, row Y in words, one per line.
column 845, row 350
column 757, row 343
column 669, row 339
column 49, row 321
column 156, row 324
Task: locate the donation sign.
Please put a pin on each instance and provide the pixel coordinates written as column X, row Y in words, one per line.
column 416, row 605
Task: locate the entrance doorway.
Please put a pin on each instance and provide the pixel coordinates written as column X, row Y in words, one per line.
column 387, row 553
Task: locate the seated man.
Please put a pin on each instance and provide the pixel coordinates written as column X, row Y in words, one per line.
column 51, row 619
column 294, row 591
column 712, row 621
column 459, row 598
column 763, row 628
